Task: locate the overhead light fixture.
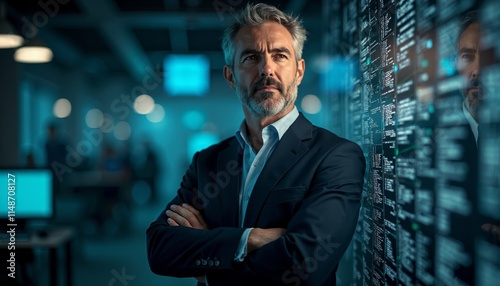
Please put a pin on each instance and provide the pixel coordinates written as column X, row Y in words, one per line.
column 34, row 52
column 8, row 37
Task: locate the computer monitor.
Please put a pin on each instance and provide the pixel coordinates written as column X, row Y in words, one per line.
column 27, row 194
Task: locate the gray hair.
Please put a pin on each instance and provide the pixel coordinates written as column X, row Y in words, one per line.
column 255, row 15
column 468, row 19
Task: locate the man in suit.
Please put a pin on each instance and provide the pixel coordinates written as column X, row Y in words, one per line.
column 276, row 204
column 474, row 99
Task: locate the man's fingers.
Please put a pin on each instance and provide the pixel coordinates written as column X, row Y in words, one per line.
column 186, row 215
column 191, row 214
column 172, row 222
column 197, row 214
column 193, row 210
column 179, row 219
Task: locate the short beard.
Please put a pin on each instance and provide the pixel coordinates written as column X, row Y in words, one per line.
column 473, row 98
column 472, row 102
column 259, row 105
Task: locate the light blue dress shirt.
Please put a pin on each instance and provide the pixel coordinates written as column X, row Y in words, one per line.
column 253, row 163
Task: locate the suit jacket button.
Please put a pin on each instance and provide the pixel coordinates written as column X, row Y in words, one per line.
column 216, row 262
column 198, row 262
column 204, row 262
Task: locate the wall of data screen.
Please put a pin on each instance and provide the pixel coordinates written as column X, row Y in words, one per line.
column 417, row 85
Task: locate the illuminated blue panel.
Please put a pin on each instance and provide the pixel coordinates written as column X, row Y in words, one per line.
column 33, row 193
column 186, row 75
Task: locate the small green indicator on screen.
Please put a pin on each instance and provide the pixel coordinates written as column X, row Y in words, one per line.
column 414, row 226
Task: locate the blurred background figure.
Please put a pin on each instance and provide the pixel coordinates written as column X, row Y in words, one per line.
column 30, row 159
column 114, row 189
column 55, row 153
column 468, row 65
column 148, row 170
column 474, row 92
column 55, row 146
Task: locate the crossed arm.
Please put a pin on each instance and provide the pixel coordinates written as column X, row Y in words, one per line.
column 186, row 215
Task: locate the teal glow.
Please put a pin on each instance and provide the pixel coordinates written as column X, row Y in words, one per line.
column 186, row 75
column 336, row 71
column 448, row 66
column 193, row 119
column 200, row 141
column 428, row 44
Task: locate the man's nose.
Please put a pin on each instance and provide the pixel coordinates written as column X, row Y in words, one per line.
column 267, row 67
column 475, row 69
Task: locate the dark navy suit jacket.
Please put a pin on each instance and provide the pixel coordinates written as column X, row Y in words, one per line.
column 311, row 185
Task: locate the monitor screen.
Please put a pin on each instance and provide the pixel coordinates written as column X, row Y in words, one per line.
column 30, row 189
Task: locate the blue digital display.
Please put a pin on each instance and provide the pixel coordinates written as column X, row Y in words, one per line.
column 32, row 193
column 186, row 75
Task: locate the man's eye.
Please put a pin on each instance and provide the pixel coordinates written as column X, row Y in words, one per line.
column 281, row 56
column 250, row 58
column 467, row 57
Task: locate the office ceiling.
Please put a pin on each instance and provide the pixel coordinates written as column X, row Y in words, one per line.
column 126, row 36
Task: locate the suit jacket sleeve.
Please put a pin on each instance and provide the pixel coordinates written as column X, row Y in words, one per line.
column 317, row 235
column 186, row 252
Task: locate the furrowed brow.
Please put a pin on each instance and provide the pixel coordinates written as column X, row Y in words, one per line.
column 467, row 50
column 248, row 51
column 281, row 50
column 274, row 51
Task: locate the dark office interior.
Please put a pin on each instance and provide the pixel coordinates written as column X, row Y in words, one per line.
column 99, row 124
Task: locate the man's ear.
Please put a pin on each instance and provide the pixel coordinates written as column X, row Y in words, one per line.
column 301, row 68
column 229, row 76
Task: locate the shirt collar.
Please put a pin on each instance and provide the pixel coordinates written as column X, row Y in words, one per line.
column 280, row 126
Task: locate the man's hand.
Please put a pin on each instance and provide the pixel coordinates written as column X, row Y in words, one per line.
column 185, row 215
column 261, row 236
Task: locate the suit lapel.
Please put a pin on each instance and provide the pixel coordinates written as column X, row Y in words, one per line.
column 287, row 152
column 229, row 191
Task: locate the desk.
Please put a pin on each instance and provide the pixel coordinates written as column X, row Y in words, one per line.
column 57, row 238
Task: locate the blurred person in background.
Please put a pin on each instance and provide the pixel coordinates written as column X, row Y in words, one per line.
column 474, row 98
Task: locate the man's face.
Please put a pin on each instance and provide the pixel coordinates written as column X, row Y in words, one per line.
column 468, row 66
column 265, row 72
